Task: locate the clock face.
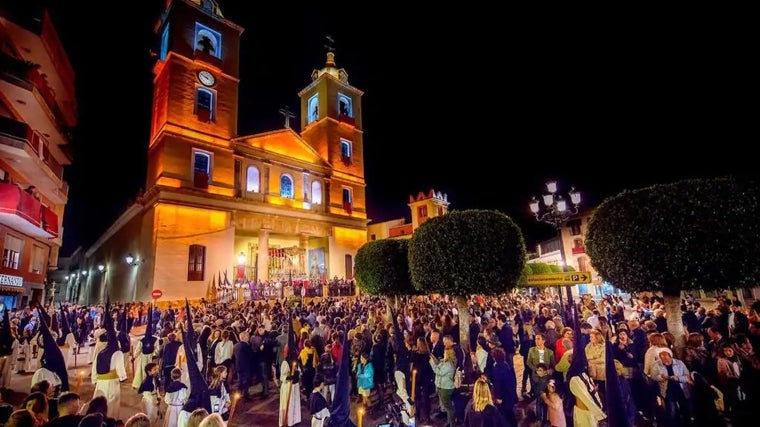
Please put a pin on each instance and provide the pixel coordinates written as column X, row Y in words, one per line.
column 206, row 78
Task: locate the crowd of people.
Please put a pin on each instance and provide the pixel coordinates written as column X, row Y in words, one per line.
column 606, row 360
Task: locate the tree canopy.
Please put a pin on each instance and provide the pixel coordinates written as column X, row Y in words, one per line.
column 467, row 252
column 381, row 267
column 700, row 233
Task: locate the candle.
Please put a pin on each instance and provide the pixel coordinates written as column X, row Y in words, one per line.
column 235, row 399
column 361, row 416
column 80, row 376
column 414, row 382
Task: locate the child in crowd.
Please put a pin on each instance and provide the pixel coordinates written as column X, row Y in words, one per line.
column 554, row 404
column 539, row 382
column 149, row 391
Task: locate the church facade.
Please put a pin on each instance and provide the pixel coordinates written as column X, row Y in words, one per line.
column 275, row 206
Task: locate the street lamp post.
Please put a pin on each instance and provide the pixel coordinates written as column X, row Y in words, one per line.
column 556, row 211
column 134, row 262
column 102, row 267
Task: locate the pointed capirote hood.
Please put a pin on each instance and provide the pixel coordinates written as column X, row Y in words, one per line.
column 149, row 341
column 402, row 353
column 52, row 357
column 292, row 355
column 199, row 392
column 579, row 364
column 43, row 313
column 6, row 337
column 124, row 341
column 65, row 326
column 55, row 326
column 341, row 405
column 616, row 409
column 109, row 326
column 191, row 343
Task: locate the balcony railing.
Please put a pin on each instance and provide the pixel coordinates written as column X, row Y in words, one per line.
column 200, row 180
column 28, row 72
column 13, row 200
column 20, row 134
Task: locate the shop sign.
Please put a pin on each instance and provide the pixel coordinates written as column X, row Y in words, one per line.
column 12, row 281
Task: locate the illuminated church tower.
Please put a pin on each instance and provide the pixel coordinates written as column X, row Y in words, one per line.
column 332, row 124
column 221, row 211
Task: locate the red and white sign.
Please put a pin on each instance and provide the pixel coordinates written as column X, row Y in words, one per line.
column 157, row 294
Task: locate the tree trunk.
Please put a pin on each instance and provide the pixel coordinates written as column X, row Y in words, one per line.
column 675, row 323
column 464, row 324
column 395, row 302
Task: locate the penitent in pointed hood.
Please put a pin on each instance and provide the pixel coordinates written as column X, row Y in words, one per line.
column 199, row 392
column 149, row 341
column 52, row 357
column 65, row 327
column 124, row 342
column 191, row 343
column 341, row 405
column 6, row 338
column 109, row 326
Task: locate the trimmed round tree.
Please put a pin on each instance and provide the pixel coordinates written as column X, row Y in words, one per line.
column 464, row 253
column 692, row 234
column 381, row 267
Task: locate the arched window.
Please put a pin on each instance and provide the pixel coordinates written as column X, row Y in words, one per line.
column 344, row 106
column 204, row 104
column 312, row 109
column 316, row 193
column 207, row 40
column 252, row 181
column 349, row 267
column 286, row 187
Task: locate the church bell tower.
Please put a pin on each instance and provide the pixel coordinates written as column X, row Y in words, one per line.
column 331, row 123
column 195, row 95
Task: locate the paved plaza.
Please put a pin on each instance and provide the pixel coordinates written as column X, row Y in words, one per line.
column 256, row 412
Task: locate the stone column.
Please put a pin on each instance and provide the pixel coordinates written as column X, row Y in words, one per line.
column 263, row 264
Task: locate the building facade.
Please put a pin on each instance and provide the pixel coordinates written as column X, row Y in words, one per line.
column 423, row 206
column 37, row 113
column 570, row 249
column 269, row 207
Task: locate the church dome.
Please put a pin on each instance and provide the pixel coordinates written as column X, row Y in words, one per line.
column 210, row 6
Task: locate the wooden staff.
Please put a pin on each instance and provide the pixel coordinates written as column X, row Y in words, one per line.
column 287, row 402
column 361, row 416
column 414, row 383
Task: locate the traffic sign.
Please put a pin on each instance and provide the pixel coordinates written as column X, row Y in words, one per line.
column 157, row 294
column 551, row 279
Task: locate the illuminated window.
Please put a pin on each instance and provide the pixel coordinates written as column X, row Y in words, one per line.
column 316, row 193
column 202, row 162
column 347, row 196
column 575, row 227
column 286, row 187
column 345, row 152
column 204, row 104
column 422, row 211
column 164, row 43
column 252, row 181
column 12, row 252
column 312, row 109
column 344, row 106
column 207, row 40
column 196, row 263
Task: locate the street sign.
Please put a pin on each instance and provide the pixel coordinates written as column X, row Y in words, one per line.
column 552, row 279
column 157, row 294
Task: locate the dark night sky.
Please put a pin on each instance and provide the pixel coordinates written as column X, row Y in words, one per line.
column 482, row 106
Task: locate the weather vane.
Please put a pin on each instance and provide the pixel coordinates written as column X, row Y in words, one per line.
column 330, row 45
column 288, row 115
